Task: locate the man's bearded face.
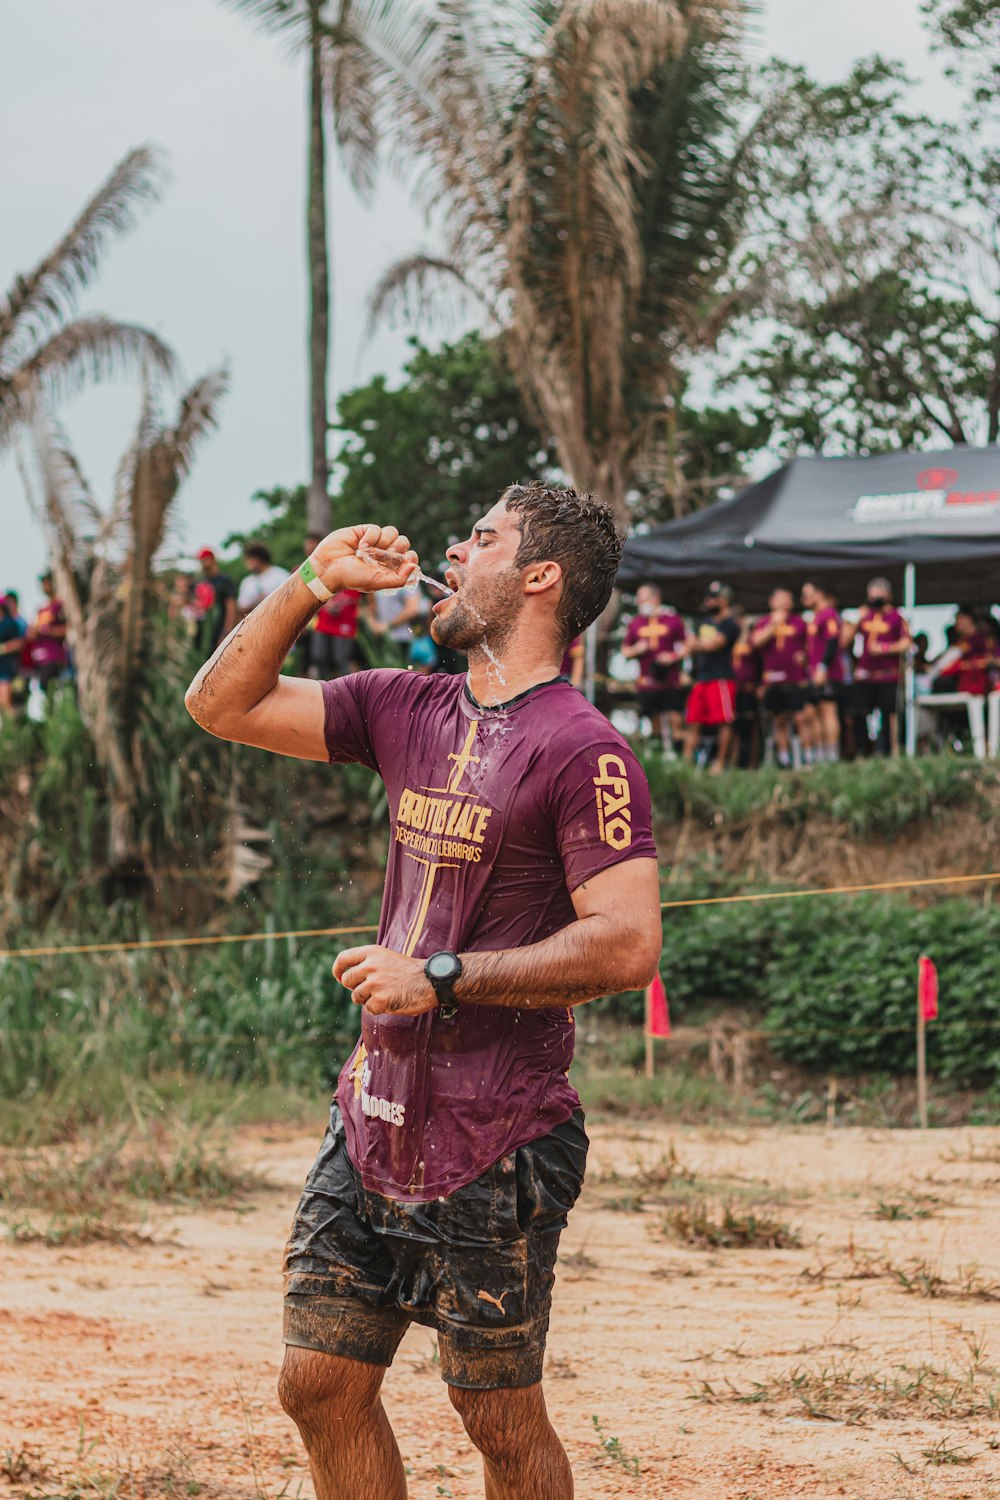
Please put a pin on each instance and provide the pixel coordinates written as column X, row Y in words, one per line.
column 489, row 595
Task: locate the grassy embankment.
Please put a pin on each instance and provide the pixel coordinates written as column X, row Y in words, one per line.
column 262, row 1026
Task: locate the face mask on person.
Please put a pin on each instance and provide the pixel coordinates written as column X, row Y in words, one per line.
column 879, row 601
column 647, row 609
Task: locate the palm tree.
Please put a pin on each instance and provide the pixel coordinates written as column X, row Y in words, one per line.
column 44, row 352
column 104, row 569
column 585, row 160
column 340, row 77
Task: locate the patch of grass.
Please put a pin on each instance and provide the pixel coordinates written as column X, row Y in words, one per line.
column 943, row 1453
column 909, row 1206
column 614, row 1449
column 727, row 1227
column 87, row 1191
column 917, row 1276
column 843, row 1391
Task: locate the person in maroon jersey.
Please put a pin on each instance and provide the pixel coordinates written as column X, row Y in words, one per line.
column 746, row 680
column 885, row 639
column 780, row 637
column 977, row 653
column 521, row 882
column 825, row 662
column 655, row 637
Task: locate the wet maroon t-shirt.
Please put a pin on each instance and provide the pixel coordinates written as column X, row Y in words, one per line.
column 661, row 634
column 823, row 628
column 783, row 657
column 888, row 628
column 497, row 815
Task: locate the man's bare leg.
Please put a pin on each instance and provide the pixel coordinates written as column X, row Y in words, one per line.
column 335, row 1405
column 691, row 739
column 522, row 1457
column 723, row 757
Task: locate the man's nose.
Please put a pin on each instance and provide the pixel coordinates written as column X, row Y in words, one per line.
column 458, row 552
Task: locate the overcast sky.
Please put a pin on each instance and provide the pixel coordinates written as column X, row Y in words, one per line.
column 218, row 267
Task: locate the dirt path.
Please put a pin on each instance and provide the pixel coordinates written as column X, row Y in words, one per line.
column 152, row 1369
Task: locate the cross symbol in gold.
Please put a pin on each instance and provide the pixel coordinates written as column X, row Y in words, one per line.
column 463, row 759
column 651, row 632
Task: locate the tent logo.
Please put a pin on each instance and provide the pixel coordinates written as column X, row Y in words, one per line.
column 936, row 479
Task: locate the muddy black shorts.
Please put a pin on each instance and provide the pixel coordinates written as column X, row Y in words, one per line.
column 477, row 1266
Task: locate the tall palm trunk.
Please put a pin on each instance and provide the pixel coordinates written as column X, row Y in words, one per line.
column 318, row 507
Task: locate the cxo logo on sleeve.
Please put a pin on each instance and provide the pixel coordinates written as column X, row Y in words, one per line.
column 614, row 798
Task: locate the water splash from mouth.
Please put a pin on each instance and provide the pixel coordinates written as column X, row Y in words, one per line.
column 393, row 561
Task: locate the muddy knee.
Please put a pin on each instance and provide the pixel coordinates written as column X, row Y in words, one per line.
column 316, row 1389
column 500, row 1423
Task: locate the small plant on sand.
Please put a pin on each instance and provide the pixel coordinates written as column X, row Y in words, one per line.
column 910, row 1206
column 727, row 1227
column 612, row 1446
column 918, row 1276
column 943, row 1453
column 86, row 1192
column 842, row 1391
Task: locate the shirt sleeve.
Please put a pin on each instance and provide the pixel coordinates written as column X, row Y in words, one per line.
column 602, row 811
column 345, row 720
column 248, row 594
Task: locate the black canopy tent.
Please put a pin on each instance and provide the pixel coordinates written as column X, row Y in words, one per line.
column 936, row 514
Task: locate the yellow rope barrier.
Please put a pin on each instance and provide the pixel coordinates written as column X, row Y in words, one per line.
column 146, row 944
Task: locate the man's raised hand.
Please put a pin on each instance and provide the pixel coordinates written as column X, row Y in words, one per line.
column 345, row 560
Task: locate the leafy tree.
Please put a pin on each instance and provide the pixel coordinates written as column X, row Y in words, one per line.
column 428, row 456
column 876, row 232
column 970, row 31
column 587, row 164
column 44, row 350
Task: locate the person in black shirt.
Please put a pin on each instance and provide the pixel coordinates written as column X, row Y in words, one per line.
column 215, row 600
column 712, row 702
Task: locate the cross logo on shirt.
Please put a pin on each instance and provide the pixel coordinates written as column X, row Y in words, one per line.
column 781, row 633
column 875, row 626
column 463, row 759
column 651, row 632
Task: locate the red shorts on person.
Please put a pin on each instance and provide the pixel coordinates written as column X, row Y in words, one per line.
column 711, row 703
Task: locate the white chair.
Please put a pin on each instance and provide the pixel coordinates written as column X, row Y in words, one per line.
column 975, row 706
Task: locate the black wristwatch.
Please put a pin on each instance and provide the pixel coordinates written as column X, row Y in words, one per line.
column 442, row 969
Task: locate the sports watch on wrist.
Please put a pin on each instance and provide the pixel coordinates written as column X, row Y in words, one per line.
column 442, row 969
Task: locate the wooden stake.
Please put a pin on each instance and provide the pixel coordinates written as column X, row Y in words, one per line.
column 831, row 1103
column 921, row 1065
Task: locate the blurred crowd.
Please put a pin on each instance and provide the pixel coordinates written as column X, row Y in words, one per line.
column 802, row 683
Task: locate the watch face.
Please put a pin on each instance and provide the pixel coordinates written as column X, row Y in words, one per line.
column 442, row 966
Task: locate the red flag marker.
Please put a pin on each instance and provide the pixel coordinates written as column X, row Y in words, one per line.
column 927, row 989
column 657, row 1009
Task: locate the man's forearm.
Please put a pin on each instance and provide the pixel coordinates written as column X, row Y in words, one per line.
column 592, row 956
column 246, row 665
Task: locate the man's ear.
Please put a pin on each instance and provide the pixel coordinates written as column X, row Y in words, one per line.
column 542, row 576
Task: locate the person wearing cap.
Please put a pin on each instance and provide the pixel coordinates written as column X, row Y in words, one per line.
column 215, row 600
column 885, row 639
column 712, row 701
column 330, row 646
column 45, row 638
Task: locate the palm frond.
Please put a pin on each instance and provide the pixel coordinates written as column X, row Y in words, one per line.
column 414, row 289
column 290, row 20
column 88, row 349
column 46, row 296
column 351, row 88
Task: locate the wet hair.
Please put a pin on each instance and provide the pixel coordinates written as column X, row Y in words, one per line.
column 258, row 552
column 578, row 532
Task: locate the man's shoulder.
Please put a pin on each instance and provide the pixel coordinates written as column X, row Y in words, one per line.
column 579, row 726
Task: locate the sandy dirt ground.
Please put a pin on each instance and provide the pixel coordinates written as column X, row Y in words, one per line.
column 714, row 1373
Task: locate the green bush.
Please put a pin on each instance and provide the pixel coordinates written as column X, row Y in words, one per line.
column 870, row 799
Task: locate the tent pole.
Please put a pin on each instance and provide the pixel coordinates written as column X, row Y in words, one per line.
column 909, row 604
column 590, row 661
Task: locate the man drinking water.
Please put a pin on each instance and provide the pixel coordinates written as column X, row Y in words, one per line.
column 521, row 882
